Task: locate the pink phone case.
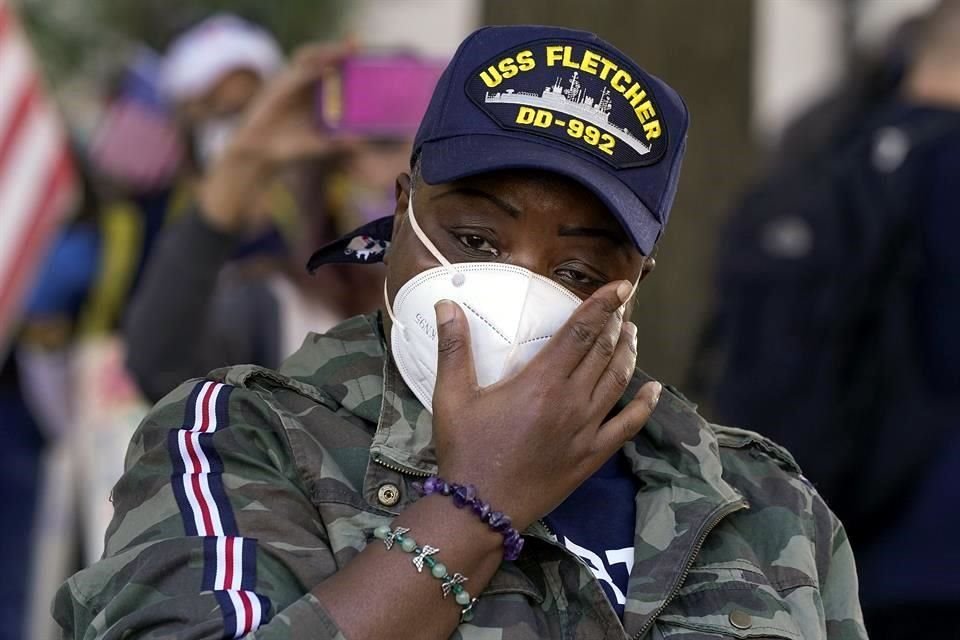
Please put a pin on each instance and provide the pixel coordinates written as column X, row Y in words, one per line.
column 377, row 95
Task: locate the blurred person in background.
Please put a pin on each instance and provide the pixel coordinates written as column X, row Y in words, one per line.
column 837, row 315
column 837, row 119
column 912, row 566
column 137, row 161
column 70, row 357
column 35, row 408
column 128, row 171
column 254, row 136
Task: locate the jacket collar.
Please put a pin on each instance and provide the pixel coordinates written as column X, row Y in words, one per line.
column 352, row 366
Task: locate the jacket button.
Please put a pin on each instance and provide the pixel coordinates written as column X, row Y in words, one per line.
column 740, row 619
column 388, row 494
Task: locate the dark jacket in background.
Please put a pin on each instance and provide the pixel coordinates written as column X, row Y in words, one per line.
column 186, row 320
column 861, row 383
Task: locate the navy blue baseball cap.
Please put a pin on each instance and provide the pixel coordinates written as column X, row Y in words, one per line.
column 555, row 99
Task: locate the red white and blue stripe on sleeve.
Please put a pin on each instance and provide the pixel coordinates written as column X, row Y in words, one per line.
column 229, row 560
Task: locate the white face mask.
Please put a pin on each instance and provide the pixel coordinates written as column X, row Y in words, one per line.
column 512, row 313
column 212, row 137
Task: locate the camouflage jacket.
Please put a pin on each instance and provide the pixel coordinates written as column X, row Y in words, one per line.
column 245, row 490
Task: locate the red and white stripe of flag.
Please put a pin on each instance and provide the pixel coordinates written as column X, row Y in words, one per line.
column 36, row 176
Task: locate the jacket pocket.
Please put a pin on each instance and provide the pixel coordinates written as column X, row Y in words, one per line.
column 727, row 601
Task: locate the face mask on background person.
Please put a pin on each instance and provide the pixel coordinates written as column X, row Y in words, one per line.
column 211, row 137
column 512, row 312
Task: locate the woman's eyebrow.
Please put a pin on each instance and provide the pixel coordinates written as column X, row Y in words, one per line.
column 612, row 235
column 473, row 192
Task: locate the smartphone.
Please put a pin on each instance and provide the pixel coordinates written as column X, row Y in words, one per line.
column 383, row 95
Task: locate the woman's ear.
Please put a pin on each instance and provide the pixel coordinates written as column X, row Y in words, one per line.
column 402, row 190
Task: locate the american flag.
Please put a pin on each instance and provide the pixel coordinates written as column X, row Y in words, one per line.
column 36, row 176
column 137, row 142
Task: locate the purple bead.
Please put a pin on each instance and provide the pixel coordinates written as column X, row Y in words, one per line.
column 430, row 485
column 495, row 518
column 444, row 487
column 464, row 495
column 512, row 548
column 481, row 509
column 504, row 526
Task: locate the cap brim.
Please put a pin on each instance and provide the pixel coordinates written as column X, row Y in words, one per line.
column 459, row 157
column 365, row 245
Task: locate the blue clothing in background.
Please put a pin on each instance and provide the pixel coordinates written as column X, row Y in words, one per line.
column 923, row 542
column 67, row 274
column 58, row 293
column 19, row 493
column 597, row 524
column 916, row 560
column 939, row 296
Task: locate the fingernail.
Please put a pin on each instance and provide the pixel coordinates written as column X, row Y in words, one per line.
column 657, row 388
column 623, row 291
column 445, row 311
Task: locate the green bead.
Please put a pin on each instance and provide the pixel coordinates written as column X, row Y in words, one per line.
column 381, row 532
column 463, row 598
column 466, row 617
column 457, row 588
column 438, row 570
column 429, row 561
column 408, row 544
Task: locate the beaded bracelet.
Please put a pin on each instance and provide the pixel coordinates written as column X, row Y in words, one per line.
column 466, row 496
column 424, row 556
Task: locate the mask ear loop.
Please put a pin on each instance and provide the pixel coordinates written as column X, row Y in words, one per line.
column 455, row 276
column 389, row 307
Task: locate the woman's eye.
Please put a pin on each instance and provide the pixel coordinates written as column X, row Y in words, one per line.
column 577, row 277
column 477, row 243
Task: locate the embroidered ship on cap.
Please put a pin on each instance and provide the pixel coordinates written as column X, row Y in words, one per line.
column 573, row 101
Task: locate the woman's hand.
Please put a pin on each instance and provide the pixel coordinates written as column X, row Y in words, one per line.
column 527, row 442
